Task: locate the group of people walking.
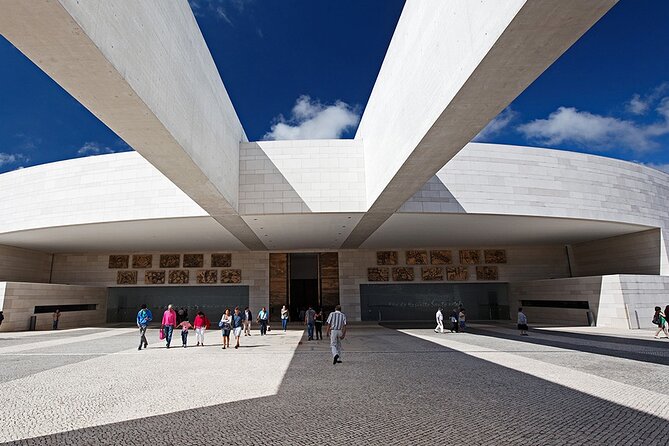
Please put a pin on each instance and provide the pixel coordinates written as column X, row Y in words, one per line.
column 238, row 322
column 457, row 319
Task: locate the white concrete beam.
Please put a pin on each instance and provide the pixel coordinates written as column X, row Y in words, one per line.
column 144, row 70
column 451, row 67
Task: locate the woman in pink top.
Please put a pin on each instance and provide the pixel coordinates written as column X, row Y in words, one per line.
column 168, row 324
column 201, row 323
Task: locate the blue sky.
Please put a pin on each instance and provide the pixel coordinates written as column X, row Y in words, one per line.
column 305, row 68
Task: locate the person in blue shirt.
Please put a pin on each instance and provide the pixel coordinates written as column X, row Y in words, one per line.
column 144, row 316
column 237, row 323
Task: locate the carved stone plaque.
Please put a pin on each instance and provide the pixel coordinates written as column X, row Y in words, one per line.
column 193, row 260
column 378, row 274
column 494, row 255
column 126, row 277
column 441, row 257
column 207, row 276
column 178, row 276
column 416, row 257
column 460, row 273
column 470, row 257
column 403, row 274
column 231, row 276
column 154, row 277
column 221, row 260
column 118, row 261
column 432, row 273
column 142, row 261
column 486, row 273
column 170, row 260
column 386, row 257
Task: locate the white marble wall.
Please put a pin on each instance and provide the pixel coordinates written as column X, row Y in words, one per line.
column 105, row 188
column 523, row 263
column 24, row 265
column 19, row 301
column 284, row 177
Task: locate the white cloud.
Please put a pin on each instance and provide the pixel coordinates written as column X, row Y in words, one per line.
column 94, row 148
column 313, row 120
column 640, row 105
column 11, row 158
column 495, row 126
column 569, row 125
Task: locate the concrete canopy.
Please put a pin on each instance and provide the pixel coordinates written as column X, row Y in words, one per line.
column 450, row 68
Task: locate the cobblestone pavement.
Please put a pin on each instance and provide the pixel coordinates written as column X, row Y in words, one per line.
column 394, row 387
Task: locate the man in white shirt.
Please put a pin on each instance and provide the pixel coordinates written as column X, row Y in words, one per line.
column 337, row 331
column 440, row 322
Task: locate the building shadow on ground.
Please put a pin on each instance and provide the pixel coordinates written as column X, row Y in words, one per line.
column 391, row 388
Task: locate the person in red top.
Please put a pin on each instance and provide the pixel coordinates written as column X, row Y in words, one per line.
column 168, row 324
column 201, row 323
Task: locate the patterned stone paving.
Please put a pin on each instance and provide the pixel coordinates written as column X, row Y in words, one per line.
column 488, row 387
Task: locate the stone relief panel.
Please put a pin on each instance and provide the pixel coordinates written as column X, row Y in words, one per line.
column 486, row 273
column 154, row 277
column 170, row 260
column 470, row 257
column 403, row 274
column 441, row 257
column 432, row 273
column 221, row 260
column 207, row 276
column 116, row 261
column 193, row 260
column 142, row 261
column 126, row 277
column 459, row 273
column 178, row 276
column 378, row 274
column 494, row 255
column 416, row 257
column 231, row 276
column 386, row 257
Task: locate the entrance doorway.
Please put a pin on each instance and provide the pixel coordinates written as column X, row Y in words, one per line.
column 298, row 280
column 304, row 290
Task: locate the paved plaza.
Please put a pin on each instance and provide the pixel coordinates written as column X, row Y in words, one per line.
column 396, row 386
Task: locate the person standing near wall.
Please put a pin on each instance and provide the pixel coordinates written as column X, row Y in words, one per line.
column 336, row 332
column 454, row 321
column 660, row 319
column 144, row 316
column 248, row 316
column 440, row 321
column 55, row 316
column 201, row 324
column 522, row 322
column 318, row 324
column 168, row 323
column 461, row 319
column 263, row 317
column 284, row 318
column 2, row 317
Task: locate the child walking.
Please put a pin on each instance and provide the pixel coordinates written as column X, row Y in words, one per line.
column 185, row 325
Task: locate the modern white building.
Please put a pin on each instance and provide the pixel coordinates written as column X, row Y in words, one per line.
column 407, row 216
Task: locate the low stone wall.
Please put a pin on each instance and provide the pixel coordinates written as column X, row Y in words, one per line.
column 617, row 301
column 18, row 301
